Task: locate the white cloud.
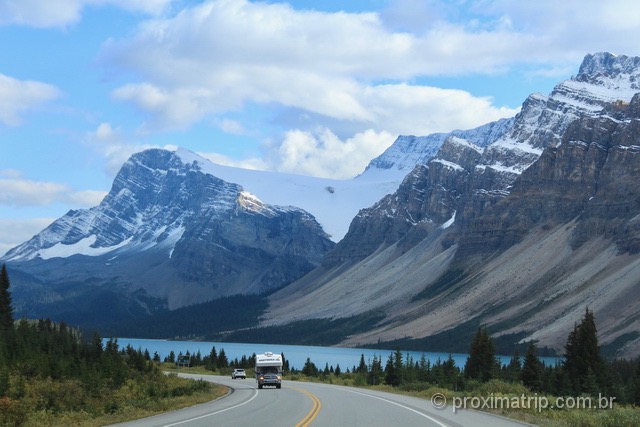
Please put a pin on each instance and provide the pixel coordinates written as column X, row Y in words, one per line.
column 16, row 231
column 85, row 198
column 17, row 191
column 105, row 132
column 323, row 154
column 233, row 127
column 11, row 173
column 424, row 109
column 412, row 15
column 171, row 108
column 17, row 97
column 560, row 33
column 61, row 13
column 225, row 54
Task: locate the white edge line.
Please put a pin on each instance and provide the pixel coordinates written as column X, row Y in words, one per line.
column 398, row 404
column 255, row 394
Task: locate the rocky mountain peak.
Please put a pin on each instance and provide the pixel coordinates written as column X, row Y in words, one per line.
column 408, row 150
column 168, row 222
column 604, row 68
column 465, row 188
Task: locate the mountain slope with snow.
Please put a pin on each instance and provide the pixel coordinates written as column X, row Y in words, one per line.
column 171, row 232
column 332, row 202
column 462, row 242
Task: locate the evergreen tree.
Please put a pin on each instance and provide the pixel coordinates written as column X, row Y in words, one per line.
column 635, row 385
column 583, row 362
column 94, row 348
column 445, row 374
column 450, row 373
column 223, row 362
column 391, row 375
column 375, row 373
column 309, row 369
column 362, row 367
column 532, row 370
column 211, row 361
column 424, row 369
column 514, row 368
column 197, row 359
column 409, row 371
column 482, row 363
column 398, row 365
column 7, row 331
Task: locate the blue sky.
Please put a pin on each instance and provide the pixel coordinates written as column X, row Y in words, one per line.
column 308, row 87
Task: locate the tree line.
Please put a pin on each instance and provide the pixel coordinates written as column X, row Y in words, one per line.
column 584, row 370
column 50, row 370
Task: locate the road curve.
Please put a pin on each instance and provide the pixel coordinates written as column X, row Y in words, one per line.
column 304, row 404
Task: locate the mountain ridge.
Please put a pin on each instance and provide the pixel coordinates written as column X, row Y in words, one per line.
column 461, row 208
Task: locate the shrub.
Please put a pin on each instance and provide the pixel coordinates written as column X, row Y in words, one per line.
column 12, row 412
column 500, row 387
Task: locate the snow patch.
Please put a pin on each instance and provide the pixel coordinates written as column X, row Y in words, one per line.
column 513, row 145
column 449, row 164
column 81, row 247
column 449, row 222
column 333, row 210
column 465, row 143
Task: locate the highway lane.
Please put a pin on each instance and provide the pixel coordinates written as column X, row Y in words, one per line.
column 245, row 405
column 302, row 404
column 351, row 406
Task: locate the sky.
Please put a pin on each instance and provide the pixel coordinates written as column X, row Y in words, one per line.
column 307, row 87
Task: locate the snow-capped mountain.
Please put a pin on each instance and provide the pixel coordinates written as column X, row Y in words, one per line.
column 474, row 169
column 408, row 150
column 172, row 232
column 463, row 240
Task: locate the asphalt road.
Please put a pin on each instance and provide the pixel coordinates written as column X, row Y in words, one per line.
column 304, row 404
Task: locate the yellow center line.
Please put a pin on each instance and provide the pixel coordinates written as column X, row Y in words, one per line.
column 308, row 419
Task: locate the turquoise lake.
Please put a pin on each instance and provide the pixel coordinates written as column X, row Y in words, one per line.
column 297, row 355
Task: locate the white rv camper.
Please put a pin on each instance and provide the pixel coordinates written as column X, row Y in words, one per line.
column 269, row 370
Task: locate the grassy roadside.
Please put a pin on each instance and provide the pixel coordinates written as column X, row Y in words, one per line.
column 494, row 396
column 68, row 403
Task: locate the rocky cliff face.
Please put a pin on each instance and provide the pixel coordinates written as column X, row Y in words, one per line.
column 587, row 178
column 530, row 227
column 177, row 234
column 474, row 170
